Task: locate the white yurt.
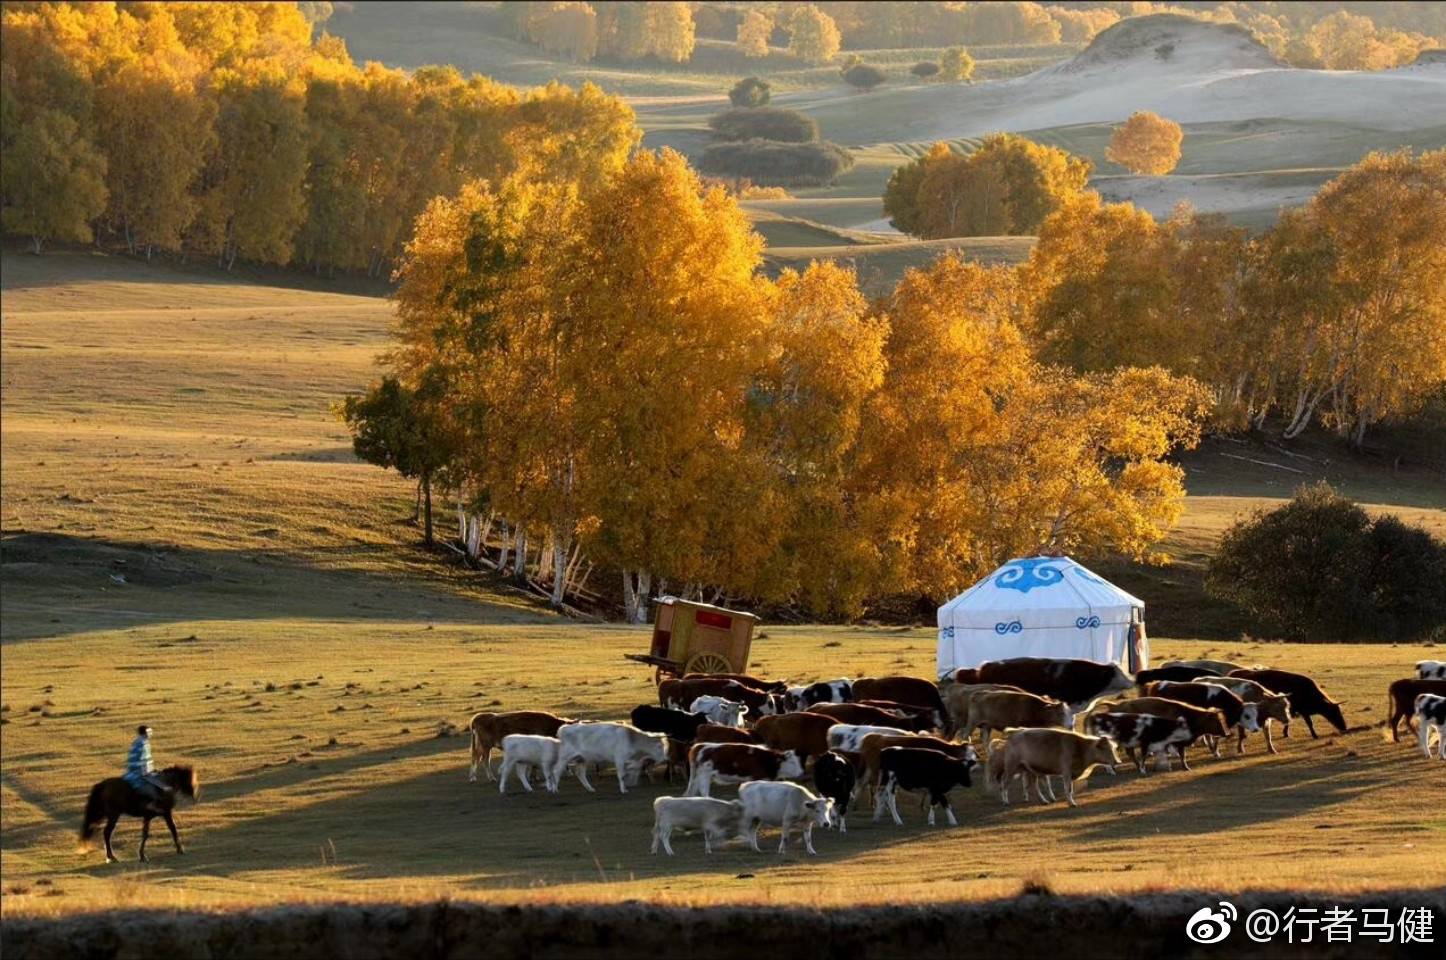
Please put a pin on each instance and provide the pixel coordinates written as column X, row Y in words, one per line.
column 1042, row 607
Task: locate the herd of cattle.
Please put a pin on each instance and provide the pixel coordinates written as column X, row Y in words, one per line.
column 887, row 734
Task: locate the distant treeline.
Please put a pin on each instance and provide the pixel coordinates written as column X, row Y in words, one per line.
column 224, row 130
column 1331, row 35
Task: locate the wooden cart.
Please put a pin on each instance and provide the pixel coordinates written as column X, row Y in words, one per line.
column 691, row 637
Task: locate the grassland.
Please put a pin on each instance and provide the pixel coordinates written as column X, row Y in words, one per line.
column 188, row 543
column 1246, row 168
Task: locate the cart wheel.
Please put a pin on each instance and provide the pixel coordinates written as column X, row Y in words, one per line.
column 709, row 663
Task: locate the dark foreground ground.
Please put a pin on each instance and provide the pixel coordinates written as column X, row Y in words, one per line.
column 1031, row 925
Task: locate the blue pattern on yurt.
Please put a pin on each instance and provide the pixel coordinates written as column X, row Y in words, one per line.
column 1012, row 626
column 1025, row 575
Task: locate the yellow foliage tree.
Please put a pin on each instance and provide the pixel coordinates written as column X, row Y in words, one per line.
column 826, row 363
column 812, row 35
column 153, row 125
column 1360, row 297
column 53, row 180
column 1146, row 143
column 753, row 32
column 1007, row 186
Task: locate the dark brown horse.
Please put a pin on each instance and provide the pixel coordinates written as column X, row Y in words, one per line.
column 111, row 799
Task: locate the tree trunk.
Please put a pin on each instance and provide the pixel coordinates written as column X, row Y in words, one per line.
column 35, row 243
column 519, row 560
column 571, row 573
column 502, row 550
column 1304, row 412
column 427, row 505
column 559, row 571
column 635, row 595
column 462, row 521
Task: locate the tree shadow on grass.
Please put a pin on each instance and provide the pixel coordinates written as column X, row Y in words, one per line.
column 57, row 585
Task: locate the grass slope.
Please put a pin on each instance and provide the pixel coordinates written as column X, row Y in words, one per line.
column 171, row 429
column 325, row 777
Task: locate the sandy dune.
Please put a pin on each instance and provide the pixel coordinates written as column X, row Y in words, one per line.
column 1189, row 71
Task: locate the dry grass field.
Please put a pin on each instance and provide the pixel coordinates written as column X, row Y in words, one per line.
column 188, row 543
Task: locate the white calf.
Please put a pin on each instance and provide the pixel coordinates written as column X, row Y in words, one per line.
column 525, row 751
column 718, row 819
column 623, row 745
column 1431, row 715
column 724, row 712
column 783, row 805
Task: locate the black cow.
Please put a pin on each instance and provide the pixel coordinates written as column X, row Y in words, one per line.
column 910, row 768
column 834, row 778
column 680, row 726
column 1173, row 674
column 1141, row 732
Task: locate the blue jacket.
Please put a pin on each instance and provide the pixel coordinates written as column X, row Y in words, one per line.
column 138, row 761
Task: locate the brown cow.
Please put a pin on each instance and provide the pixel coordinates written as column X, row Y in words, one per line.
column 680, row 694
column 1307, row 699
column 717, row 733
column 926, row 714
column 762, row 686
column 1269, row 706
column 737, row 763
column 998, row 709
column 488, row 729
column 1202, row 722
column 804, row 733
column 911, row 690
column 1049, row 753
column 862, row 715
column 960, row 695
column 1077, row 683
column 1238, row 714
column 1403, row 694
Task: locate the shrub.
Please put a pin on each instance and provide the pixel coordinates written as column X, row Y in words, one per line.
column 956, row 64
column 864, row 76
column 750, row 92
column 1319, row 568
column 1408, row 580
column 764, row 123
column 924, row 68
column 769, row 163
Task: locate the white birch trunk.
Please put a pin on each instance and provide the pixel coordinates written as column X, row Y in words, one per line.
column 571, row 573
column 559, row 571
column 462, row 531
column 519, row 562
column 502, row 551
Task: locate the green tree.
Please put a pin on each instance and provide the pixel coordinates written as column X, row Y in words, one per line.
column 396, row 427
column 750, row 92
column 1320, row 568
column 864, row 76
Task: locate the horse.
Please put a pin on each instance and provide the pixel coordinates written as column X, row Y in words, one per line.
column 115, row 797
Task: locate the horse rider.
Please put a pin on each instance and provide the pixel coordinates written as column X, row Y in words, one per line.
column 140, row 772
